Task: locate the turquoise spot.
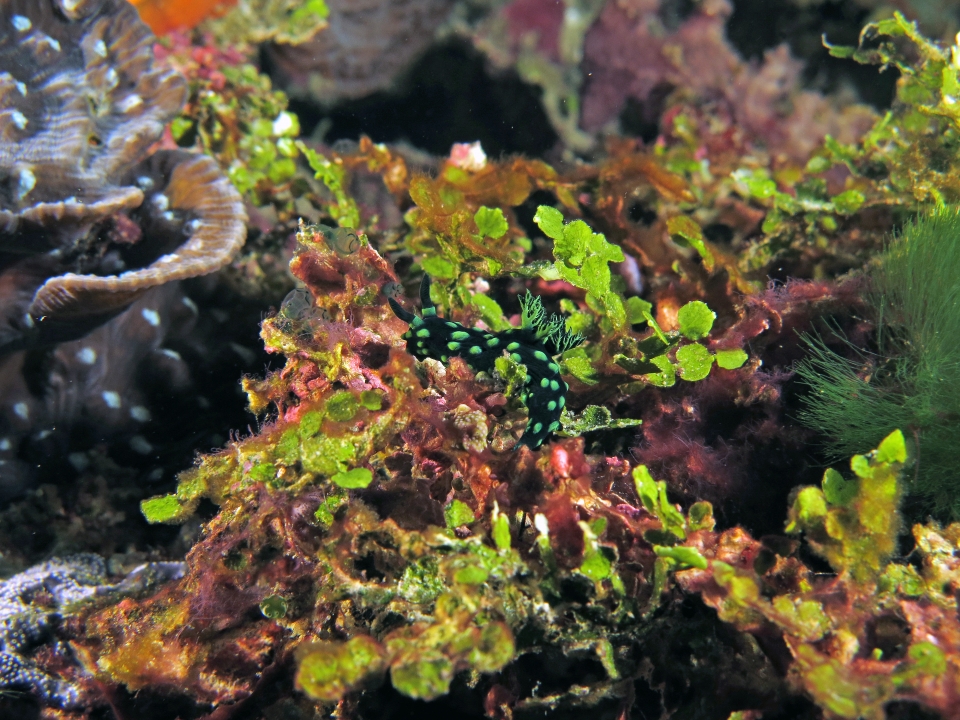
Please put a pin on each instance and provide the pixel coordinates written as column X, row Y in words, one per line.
column 537, row 428
column 540, row 355
column 554, row 367
column 554, row 385
column 562, row 401
column 476, row 350
column 513, row 346
column 406, row 336
column 423, row 333
column 416, row 322
column 516, row 357
column 453, row 325
column 544, row 383
column 460, row 335
column 429, row 312
column 493, row 342
column 565, row 387
column 551, row 406
column 526, row 379
column 553, row 426
column 453, row 345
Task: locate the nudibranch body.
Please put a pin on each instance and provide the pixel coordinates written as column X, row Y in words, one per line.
column 533, row 345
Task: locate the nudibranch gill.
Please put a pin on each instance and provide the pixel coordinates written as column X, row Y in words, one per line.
column 533, row 345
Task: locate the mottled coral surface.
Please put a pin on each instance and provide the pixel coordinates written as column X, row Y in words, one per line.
column 91, row 221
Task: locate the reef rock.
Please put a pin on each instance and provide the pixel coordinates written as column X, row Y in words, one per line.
column 366, row 46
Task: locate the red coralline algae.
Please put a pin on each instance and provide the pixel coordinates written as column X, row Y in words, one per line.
column 540, row 18
column 628, row 53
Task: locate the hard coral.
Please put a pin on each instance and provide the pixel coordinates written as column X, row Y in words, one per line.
column 89, row 222
column 83, row 104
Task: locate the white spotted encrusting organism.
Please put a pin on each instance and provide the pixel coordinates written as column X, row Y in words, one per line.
column 96, row 230
column 533, row 345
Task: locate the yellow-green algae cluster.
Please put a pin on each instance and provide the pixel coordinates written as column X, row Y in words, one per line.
column 400, row 502
column 875, row 630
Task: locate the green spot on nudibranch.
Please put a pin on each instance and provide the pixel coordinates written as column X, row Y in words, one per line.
column 429, row 312
column 516, row 357
column 476, row 350
column 540, row 355
column 453, row 346
column 562, row 401
column 452, row 325
column 545, row 383
column 537, row 428
column 493, row 342
column 423, row 333
column 443, row 358
column 554, row 367
column 551, row 406
column 554, row 385
column 460, row 335
column 513, row 346
column 553, row 426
